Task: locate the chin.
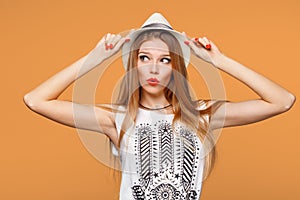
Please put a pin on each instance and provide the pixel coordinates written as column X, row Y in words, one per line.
column 155, row 90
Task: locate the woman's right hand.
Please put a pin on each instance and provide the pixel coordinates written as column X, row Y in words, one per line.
column 110, row 44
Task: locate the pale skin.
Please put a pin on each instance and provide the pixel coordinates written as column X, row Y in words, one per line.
column 43, row 99
column 154, row 61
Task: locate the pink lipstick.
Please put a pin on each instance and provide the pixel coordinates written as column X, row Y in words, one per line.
column 153, row 81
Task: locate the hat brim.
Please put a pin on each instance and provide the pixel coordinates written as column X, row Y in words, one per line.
column 127, row 45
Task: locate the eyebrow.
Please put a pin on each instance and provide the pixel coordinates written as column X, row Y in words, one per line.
column 145, row 52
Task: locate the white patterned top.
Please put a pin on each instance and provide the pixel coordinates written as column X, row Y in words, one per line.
column 157, row 161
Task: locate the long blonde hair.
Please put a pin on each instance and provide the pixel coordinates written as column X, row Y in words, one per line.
column 186, row 110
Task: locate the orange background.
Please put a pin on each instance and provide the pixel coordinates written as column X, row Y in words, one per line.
column 41, row 159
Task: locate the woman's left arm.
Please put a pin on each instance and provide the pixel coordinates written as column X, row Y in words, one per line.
column 274, row 98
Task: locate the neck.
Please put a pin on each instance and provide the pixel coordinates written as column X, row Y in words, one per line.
column 152, row 101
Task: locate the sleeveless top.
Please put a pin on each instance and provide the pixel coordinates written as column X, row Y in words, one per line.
column 158, row 162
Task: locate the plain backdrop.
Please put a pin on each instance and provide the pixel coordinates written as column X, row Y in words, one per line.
column 41, row 159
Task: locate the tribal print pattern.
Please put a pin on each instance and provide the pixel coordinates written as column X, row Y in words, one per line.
column 188, row 158
column 166, row 162
column 145, row 139
column 165, row 135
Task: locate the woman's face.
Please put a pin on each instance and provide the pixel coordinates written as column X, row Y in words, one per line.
column 154, row 66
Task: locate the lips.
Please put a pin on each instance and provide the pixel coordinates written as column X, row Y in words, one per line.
column 153, row 81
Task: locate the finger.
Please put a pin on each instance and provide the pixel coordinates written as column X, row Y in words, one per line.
column 192, row 44
column 130, row 32
column 119, row 43
column 200, row 41
column 106, row 41
column 186, row 37
column 110, row 38
column 107, row 36
column 114, row 40
column 203, row 42
column 110, row 41
column 206, row 40
column 207, row 43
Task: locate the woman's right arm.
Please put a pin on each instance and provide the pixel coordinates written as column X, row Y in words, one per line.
column 44, row 98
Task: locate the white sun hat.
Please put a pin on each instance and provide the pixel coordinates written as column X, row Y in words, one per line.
column 156, row 22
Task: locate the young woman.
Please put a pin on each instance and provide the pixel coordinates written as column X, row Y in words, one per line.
column 161, row 135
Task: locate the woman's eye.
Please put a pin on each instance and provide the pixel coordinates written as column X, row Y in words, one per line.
column 166, row 60
column 143, row 58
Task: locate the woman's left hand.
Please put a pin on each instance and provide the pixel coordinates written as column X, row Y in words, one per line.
column 204, row 49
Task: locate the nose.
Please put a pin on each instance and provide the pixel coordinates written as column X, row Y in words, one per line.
column 154, row 67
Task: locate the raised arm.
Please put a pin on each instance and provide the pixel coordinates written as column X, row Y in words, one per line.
column 44, row 98
column 274, row 99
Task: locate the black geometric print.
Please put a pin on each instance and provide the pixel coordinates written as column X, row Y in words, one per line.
column 144, row 133
column 188, row 158
column 166, row 162
column 165, row 134
column 192, row 195
column 165, row 192
column 138, row 193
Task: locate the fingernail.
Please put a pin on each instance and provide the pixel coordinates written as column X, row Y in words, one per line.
column 208, row 46
column 111, row 46
column 127, row 40
column 196, row 39
column 186, row 42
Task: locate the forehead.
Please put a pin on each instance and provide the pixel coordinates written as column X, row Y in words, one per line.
column 154, row 45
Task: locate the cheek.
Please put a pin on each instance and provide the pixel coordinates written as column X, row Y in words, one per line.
column 168, row 75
